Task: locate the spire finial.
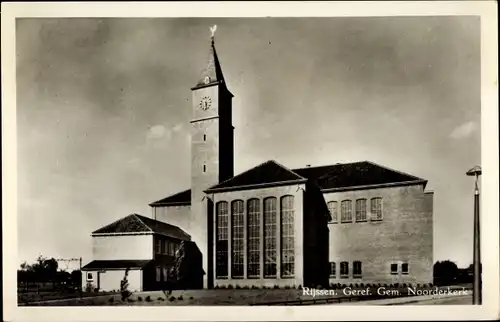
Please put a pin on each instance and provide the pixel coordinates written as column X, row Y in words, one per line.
column 212, row 30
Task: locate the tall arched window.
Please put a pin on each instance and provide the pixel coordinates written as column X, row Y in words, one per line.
column 221, row 246
column 253, row 213
column 287, row 236
column 237, row 238
column 356, row 270
column 361, row 210
column 344, row 269
column 332, row 208
column 270, row 252
column 376, row 208
column 346, row 211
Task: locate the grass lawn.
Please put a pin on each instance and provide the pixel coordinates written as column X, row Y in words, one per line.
column 190, row 297
column 27, row 297
column 214, row 297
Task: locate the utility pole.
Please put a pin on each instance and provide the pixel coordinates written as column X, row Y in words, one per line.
column 81, row 278
column 476, row 295
column 69, row 260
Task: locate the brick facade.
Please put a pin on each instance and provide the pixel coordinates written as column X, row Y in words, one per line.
column 404, row 235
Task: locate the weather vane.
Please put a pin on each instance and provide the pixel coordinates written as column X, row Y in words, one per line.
column 212, row 30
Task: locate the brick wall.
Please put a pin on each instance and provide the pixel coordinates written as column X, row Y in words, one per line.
column 404, row 235
column 211, row 159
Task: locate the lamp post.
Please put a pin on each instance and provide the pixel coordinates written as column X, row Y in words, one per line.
column 476, row 295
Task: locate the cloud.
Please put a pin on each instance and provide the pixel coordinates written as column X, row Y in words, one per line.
column 178, row 127
column 157, row 132
column 463, row 131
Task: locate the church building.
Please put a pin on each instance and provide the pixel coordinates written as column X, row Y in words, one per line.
column 271, row 225
column 343, row 223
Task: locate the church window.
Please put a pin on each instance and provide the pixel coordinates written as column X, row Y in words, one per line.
column 376, row 208
column 404, row 268
column 166, row 248
column 221, row 246
column 237, row 236
column 253, row 270
column 287, row 236
column 165, row 273
column 270, row 252
column 204, row 137
column 158, row 246
column 346, row 211
column 361, row 210
column 204, row 168
column 356, row 269
column 344, row 269
column 333, row 270
column 394, row 269
column 158, row 273
column 332, row 208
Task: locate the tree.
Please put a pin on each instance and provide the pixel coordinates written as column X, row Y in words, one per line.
column 124, row 287
column 187, row 271
column 445, row 272
column 76, row 277
column 43, row 270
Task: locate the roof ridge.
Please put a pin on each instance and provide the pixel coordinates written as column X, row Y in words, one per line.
column 112, row 223
column 299, row 177
column 288, row 169
column 328, row 165
column 139, row 218
column 329, row 174
column 239, row 174
column 397, row 171
column 171, row 195
column 160, row 222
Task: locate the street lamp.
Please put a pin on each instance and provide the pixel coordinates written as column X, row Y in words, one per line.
column 476, row 295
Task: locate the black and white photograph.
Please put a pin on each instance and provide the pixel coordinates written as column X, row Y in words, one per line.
column 263, row 162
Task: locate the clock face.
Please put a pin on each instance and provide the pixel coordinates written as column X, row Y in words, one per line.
column 205, row 103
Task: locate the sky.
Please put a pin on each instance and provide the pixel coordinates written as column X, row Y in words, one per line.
column 103, row 111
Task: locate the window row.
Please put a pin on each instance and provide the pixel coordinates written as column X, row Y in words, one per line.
column 257, row 222
column 360, row 210
column 344, row 270
column 357, row 269
column 166, row 247
column 395, row 269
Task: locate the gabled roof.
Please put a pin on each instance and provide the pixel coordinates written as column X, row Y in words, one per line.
column 338, row 176
column 135, row 223
column 357, row 174
column 180, row 198
column 267, row 173
column 116, row 264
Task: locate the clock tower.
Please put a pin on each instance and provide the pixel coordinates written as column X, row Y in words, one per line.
column 212, row 150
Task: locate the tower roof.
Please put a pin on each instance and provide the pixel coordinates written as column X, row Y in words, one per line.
column 212, row 74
